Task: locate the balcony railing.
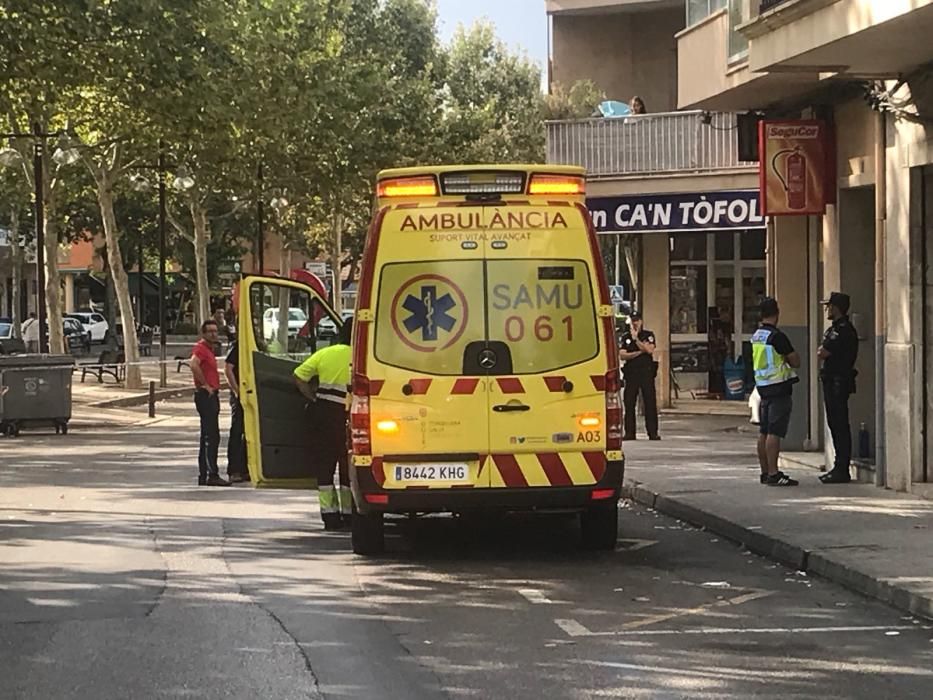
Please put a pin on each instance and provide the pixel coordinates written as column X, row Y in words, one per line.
column 646, row 144
column 770, row 5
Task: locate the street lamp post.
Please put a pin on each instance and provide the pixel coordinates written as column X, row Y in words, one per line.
column 260, row 238
column 38, row 152
column 163, row 380
column 65, row 155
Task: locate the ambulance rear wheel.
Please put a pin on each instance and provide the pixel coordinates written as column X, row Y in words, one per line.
column 599, row 527
column 368, row 533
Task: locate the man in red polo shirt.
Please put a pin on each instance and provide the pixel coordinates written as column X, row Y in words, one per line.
column 207, row 401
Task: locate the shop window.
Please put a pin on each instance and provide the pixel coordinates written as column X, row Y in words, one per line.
column 688, row 246
column 753, row 290
column 753, row 244
column 688, row 299
column 724, row 245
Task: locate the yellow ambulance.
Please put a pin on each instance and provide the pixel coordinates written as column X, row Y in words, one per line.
column 485, row 371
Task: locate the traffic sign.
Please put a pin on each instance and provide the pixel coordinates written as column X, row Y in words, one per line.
column 230, row 267
column 616, row 293
column 316, row 267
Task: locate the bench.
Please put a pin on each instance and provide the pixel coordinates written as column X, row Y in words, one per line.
column 145, row 343
column 111, row 362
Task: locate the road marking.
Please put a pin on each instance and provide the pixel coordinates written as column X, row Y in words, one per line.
column 684, row 612
column 574, row 628
column 633, row 545
column 533, row 595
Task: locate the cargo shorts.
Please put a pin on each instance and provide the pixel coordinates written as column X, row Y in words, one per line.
column 774, row 415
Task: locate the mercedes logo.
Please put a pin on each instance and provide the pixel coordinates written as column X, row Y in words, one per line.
column 487, row 359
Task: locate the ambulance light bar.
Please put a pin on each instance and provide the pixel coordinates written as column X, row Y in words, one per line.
column 557, row 185
column 483, row 183
column 419, row 186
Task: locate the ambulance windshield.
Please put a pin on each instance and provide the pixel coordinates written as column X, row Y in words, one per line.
column 430, row 311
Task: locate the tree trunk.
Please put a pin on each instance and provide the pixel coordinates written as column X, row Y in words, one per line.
column 16, row 260
column 120, row 282
column 53, row 288
column 202, row 236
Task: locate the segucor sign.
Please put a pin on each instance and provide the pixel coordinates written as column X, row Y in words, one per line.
column 673, row 213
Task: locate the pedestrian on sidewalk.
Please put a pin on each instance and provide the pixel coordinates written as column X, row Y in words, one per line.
column 207, row 401
column 30, row 332
column 838, row 353
column 637, row 351
column 774, row 360
column 323, row 380
column 236, row 442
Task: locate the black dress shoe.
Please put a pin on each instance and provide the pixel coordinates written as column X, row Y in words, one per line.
column 628, row 437
column 835, row 477
column 217, row 481
column 654, row 437
column 202, row 481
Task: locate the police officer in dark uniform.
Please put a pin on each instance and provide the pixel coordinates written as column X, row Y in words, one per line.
column 838, row 351
column 637, row 351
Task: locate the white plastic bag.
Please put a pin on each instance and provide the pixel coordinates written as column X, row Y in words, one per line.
column 754, row 403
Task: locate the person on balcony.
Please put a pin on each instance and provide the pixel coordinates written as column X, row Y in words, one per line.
column 637, row 105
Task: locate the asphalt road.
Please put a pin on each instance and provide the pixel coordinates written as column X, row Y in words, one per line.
column 122, row 579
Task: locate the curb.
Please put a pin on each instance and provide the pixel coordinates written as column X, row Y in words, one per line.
column 140, row 399
column 783, row 552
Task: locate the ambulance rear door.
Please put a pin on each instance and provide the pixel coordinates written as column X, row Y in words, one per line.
column 546, row 400
column 428, row 391
column 281, row 322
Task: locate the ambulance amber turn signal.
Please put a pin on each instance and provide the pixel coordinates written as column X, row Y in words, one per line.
column 407, row 187
column 557, row 185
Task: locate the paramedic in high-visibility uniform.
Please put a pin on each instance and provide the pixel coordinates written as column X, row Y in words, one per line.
column 330, row 367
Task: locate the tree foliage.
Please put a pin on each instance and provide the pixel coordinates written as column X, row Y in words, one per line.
column 322, row 93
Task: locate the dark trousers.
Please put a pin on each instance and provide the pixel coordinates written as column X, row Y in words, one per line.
column 208, row 406
column 643, row 383
column 332, row 449
column 836, row 399
column 236, row 442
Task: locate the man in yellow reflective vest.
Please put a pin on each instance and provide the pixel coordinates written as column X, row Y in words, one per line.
column 323, row 379
column 774, row 360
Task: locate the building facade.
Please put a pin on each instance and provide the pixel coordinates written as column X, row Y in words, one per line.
column 862, row 67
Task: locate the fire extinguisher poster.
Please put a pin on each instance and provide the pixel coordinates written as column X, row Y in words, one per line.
column 794, row 174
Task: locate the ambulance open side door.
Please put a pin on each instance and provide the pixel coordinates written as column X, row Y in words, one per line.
column 280, row 323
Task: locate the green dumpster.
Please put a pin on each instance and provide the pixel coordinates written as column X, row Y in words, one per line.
column 35, row 392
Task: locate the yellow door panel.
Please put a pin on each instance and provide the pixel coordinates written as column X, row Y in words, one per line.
column 280, row 323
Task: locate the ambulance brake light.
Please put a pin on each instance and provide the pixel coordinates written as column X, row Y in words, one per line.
column 557, row 185
column 421, row 186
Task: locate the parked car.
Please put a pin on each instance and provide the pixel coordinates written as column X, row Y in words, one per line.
column 326, row 328
column 297, row 319
column 93, row 322
column 9, row 344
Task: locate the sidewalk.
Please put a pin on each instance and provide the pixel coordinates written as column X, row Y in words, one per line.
column 873, row 541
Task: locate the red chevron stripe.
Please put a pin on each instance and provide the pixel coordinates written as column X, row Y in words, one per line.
column 555, row 384
column 554, row 469
column 599, row 381
column 596, row 461
column 465, row 386
column 511, row 472
column 511, row 385
column 375, row 386
column 378, row 472
column 419, row 387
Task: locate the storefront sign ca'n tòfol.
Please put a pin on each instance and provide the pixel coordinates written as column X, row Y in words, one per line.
column 677, row 213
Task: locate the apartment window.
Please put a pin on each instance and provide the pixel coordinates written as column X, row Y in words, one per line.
column 701, row 9
column 740, row 12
